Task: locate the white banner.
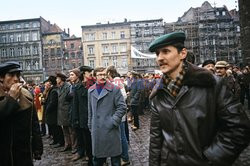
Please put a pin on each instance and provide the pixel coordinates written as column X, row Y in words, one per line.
column 139, row 55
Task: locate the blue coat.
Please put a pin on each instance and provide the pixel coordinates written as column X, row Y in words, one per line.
column 105, row 113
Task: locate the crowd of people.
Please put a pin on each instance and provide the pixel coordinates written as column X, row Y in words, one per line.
column 196, row 115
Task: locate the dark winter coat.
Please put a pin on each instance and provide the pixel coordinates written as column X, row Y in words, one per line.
column 19, row 129
column 51, row 105
column 203, row 125
column 63, row 118
column 80, row 107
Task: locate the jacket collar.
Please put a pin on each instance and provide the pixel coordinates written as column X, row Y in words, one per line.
column 195, row 76
column 106, row 89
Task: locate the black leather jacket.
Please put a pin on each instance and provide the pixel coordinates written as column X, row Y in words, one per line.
column 203, row 125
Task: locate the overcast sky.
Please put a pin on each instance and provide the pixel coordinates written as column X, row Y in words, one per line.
column 75, row 13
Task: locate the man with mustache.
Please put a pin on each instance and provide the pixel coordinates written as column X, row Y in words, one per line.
column 195, row 118
column 106, row 107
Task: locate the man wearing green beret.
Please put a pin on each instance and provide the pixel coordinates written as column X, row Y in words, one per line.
column 195, row 119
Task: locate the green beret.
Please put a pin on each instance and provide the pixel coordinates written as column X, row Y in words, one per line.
column 167, row 39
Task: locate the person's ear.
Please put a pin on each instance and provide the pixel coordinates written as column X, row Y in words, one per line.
column 183, row 53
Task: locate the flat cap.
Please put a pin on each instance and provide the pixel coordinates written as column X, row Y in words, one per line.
column 221, row 64
column 10, row 67
column 85, row 68
column 167, row 39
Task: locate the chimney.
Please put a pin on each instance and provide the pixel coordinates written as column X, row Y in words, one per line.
column 125, row 20
column 68, row 32
column 64, row 30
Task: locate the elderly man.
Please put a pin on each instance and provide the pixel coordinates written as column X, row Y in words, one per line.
column 19, row 128
column 195, row 118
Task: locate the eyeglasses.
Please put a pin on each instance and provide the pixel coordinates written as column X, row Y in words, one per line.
column 99, row 75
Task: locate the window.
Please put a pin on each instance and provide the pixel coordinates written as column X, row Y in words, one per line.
column 113, row 35
column 105, row 62
column 11, row 26
column 58, row 51
column 26, row 37
column 104, row 36
column 19, row 37
column 35, row 50
column 27, row 64
column 114, row 48
column 53, row 63
column 124, row 62
column 26, row 25
column 3, row 27
column 123, row 48
column 4, row 39
column 73, row 55
column 79, row 54
column 90, row 50
column 18, row 26
column 217, row 13
column 72, row 45
column 115, row 61
column 46, row 51
column 146, row 31
column 27, row 50
column 122, row 34
column 90, row 36
column 35, row 24
column 238, row 28
column 105, row 49
column 92, row 63
column 11, row 38
column 52, row 51
column 20, row 51
column 223, row 13
column 4, row 52
column 12, row 52
column 36, row 65
column 34, row 36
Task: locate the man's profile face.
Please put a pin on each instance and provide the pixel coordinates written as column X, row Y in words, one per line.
column 221, row 71
column 10, row 78
column 169, row 59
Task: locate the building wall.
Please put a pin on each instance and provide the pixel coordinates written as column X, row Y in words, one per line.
column 20, row 41
column 73, row 53
column 244, row 8
column 142, row 34
column 107, row 44
column 212, row 33
column 52, row 53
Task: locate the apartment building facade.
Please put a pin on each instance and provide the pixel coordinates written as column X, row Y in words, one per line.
column 107, row 44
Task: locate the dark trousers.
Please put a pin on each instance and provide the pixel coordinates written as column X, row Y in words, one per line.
column 43, row 128
column 57, row 134
column 134, row 111
column 115, row 161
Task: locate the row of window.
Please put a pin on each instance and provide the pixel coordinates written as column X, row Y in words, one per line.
column 19, row 51
column 106, row 48
column 19, row 37
column 52, row 51
column 105, row 36
column 30, row 65
column 113, row 61
column 73, row 55
column 57, row 63
column 19, row 25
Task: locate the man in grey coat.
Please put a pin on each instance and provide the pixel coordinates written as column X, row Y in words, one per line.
column 106, row 107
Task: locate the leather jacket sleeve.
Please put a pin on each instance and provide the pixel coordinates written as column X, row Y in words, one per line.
column 233, row 129
column 156, row 139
